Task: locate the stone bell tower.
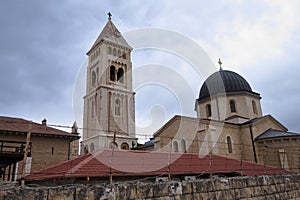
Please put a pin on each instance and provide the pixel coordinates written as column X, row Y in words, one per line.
column 109, row 113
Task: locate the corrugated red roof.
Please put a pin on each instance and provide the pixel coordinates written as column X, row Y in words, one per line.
column 19, row 125
column 141, row 163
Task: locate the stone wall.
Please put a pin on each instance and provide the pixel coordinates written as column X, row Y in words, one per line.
column 262, row 187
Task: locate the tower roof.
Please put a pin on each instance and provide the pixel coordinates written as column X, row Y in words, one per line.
column 20, row 126
column 110, row 33
column 224, row 81
column 271, row 133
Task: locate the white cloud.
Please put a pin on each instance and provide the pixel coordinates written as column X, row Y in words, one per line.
column 256, row 33
column 251, row 40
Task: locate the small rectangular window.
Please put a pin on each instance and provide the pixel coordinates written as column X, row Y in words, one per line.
column 232, row 106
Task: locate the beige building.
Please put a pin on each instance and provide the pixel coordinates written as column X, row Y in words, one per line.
column 230, row 123
column 47, row 146
column 229, row 118
column 109, row 115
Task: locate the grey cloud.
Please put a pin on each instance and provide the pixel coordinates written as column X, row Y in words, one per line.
column 42, row 44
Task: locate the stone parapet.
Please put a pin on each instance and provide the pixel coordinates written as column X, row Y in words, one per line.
column 261, row 187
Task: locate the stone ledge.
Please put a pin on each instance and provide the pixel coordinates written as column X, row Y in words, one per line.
column 265, row 187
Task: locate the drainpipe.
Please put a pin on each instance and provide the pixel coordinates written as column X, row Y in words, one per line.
column 69, row 150
column 28, row 138
column 218, row 110
column 253, row 145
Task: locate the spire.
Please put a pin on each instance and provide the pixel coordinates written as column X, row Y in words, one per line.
column 110, row 33
column 75, row 128
column 220, row 63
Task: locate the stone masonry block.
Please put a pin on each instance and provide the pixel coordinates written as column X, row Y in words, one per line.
column 61, row 193
column 108, row 193
column 98, row 190
column 144, row 190
column 160, row 190
column 203, row 196
column 230, row 194
column 237, row 183
column 210, row 185
column 200, row 186
column 175, row 188
column 245, row 192
column 187, row 187
column 221, row 184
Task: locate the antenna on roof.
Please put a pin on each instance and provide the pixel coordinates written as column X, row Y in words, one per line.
column 220, row 63
column 109, row 16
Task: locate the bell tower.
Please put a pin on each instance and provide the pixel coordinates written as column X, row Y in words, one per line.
column 109, row 110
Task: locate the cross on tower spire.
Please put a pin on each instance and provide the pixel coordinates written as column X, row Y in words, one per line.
column 220, row 63
column 109, row 16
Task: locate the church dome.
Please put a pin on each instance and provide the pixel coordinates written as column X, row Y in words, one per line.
column 223, row 81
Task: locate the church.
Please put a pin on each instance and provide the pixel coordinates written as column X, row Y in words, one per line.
column 229, row 121
column 109, row 114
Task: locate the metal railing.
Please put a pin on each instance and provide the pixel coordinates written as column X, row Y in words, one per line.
column 13, row 147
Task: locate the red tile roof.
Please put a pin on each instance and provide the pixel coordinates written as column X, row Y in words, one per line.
column 21, row 126
column 150, row 163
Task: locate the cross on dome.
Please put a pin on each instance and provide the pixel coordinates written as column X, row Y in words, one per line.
column 220, row 63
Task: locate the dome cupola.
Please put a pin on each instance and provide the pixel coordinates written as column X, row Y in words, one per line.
column 223, row 81
column 227, row 96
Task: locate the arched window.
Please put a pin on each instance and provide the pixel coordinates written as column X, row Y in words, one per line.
column 124, row 55
column 92, row 147
column 114, row 52
column 232, row 106
column 208, row 110
column 85, row 149
column 113, row 145
column 119, row 54
column 117, row 107
column 254, row 107
column 120, row 75
column 109, row 50
column 97, row 73
column 175, row 146
column 183, row 145
column 112, row 73
column 124, row 146
column 93, row 78
column 229, row 144
column 93, row 108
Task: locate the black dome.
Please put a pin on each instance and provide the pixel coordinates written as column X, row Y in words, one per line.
column 223, row 81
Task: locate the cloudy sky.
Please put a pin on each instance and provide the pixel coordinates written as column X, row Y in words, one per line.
column 43, row 47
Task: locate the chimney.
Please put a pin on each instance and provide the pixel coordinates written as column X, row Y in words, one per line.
column 44, row 122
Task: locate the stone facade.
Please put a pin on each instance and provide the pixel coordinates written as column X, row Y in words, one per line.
column 283, row 151
column 178, row 135
column 220, row 106
column 205, row 136
column 228, row 124
column 109, row 114
column 256, row 188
